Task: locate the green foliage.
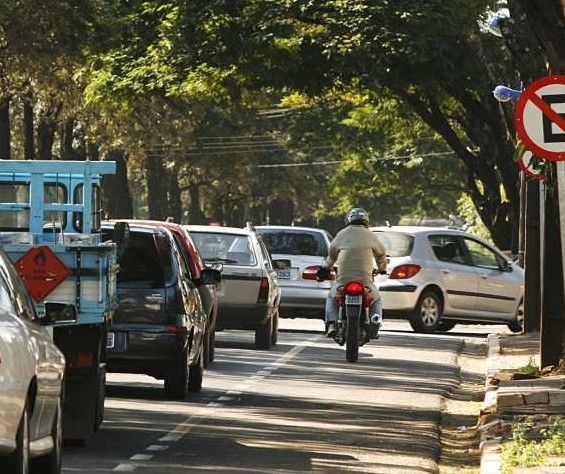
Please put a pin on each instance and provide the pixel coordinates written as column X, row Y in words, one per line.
column 530, row 369
column 523, row 451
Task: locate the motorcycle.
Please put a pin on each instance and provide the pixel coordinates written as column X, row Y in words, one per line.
column 354, row 326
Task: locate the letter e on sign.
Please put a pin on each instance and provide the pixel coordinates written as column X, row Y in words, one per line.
column 42, row 271
column 540, row 117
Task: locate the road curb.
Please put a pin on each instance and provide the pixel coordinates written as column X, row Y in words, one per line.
column 490, row 445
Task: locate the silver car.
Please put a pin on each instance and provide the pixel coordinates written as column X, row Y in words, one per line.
column 31, row 380
column 298, row 253
column 438, row 277
column 249, row 293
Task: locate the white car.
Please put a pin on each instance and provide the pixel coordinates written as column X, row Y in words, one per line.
column 249, row 293
column 438, row 277
column 304, row 250
column 31, row 380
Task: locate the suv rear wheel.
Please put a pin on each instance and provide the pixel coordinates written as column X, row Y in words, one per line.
column 196, row 374
column 176, row 378
column 264, row 333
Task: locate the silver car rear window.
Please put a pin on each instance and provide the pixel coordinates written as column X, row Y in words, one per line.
column 290, row 242
column 226, row 248
column 396, row 244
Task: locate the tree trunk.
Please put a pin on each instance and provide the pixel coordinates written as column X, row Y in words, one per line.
column 5, row 135
column 117, row 198
column 156, row 187
column 175, row 205
column 28, row 129
column 195, row 214
column 46, row 134
column 67, row 152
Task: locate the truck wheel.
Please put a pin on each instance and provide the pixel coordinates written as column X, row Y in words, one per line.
column 196, row 374
column 427, row 314
column 100, row 399
column 176, row 378
column 51, row 463
column 263, row 334
column 19, row 461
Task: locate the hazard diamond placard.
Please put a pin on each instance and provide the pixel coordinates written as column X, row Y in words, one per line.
column 540, row 117
column 42, row 271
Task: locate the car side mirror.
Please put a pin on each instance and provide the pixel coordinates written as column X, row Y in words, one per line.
column 59, row 313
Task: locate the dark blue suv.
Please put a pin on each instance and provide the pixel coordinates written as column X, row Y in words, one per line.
column 159, row 325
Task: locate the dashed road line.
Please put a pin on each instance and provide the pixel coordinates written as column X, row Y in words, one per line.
column 179, row 431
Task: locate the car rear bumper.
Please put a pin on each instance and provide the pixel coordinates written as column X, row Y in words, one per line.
column 242, row 316
column 146, row 345
column 399, row 297
column 303, row 302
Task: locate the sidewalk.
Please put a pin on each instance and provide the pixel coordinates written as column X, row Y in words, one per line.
column 510, row 393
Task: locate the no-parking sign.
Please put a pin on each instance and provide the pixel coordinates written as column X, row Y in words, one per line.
column 540, row 117
column 531, row 167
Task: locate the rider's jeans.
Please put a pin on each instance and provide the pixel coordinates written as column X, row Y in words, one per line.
column 332, row 310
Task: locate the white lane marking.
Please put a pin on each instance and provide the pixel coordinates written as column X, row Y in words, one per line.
column 156, row 447
column 179, row 431
column 124, row 467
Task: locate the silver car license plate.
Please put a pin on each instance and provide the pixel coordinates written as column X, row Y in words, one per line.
column 283, row 272
column 110, row 339
column 353, row 299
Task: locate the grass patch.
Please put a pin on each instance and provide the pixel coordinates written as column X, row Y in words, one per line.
column 530, row 369
column 531, row 443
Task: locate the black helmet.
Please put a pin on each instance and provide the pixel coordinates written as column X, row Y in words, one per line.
column 357, row 216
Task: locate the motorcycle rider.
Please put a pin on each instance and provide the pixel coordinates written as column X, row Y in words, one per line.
column 354, row 250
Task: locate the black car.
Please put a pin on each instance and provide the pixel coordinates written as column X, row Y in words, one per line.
column 159, row 324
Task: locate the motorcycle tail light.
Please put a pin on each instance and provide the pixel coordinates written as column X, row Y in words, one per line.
column 309, row 273
column 405, row 271
column 354, row 287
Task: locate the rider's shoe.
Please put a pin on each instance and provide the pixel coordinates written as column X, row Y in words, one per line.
column 375, row 327
column 331, row 330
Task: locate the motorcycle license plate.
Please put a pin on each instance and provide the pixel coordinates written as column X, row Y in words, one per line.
column 353, row 299
column 110, row 340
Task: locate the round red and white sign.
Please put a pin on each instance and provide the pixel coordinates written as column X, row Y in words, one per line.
column 529, row 166
column 540, row 117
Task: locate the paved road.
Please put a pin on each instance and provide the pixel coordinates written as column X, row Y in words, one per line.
column 299, row 407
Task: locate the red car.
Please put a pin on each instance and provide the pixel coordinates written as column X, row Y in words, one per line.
column 207, row 290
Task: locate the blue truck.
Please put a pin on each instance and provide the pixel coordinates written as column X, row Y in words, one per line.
column 50, row 216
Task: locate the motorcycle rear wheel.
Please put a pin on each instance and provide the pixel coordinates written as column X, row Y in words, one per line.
column 352, row 340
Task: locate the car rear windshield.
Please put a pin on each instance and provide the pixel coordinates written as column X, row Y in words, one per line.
column 146, row 261
column 396, row 244
column 228, row 248
column 294, row 242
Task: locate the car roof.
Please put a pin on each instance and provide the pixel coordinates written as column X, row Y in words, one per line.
column 149, row 222
column 136, row 226
column 417, row 229
column 290, row 227
column 219, row 229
